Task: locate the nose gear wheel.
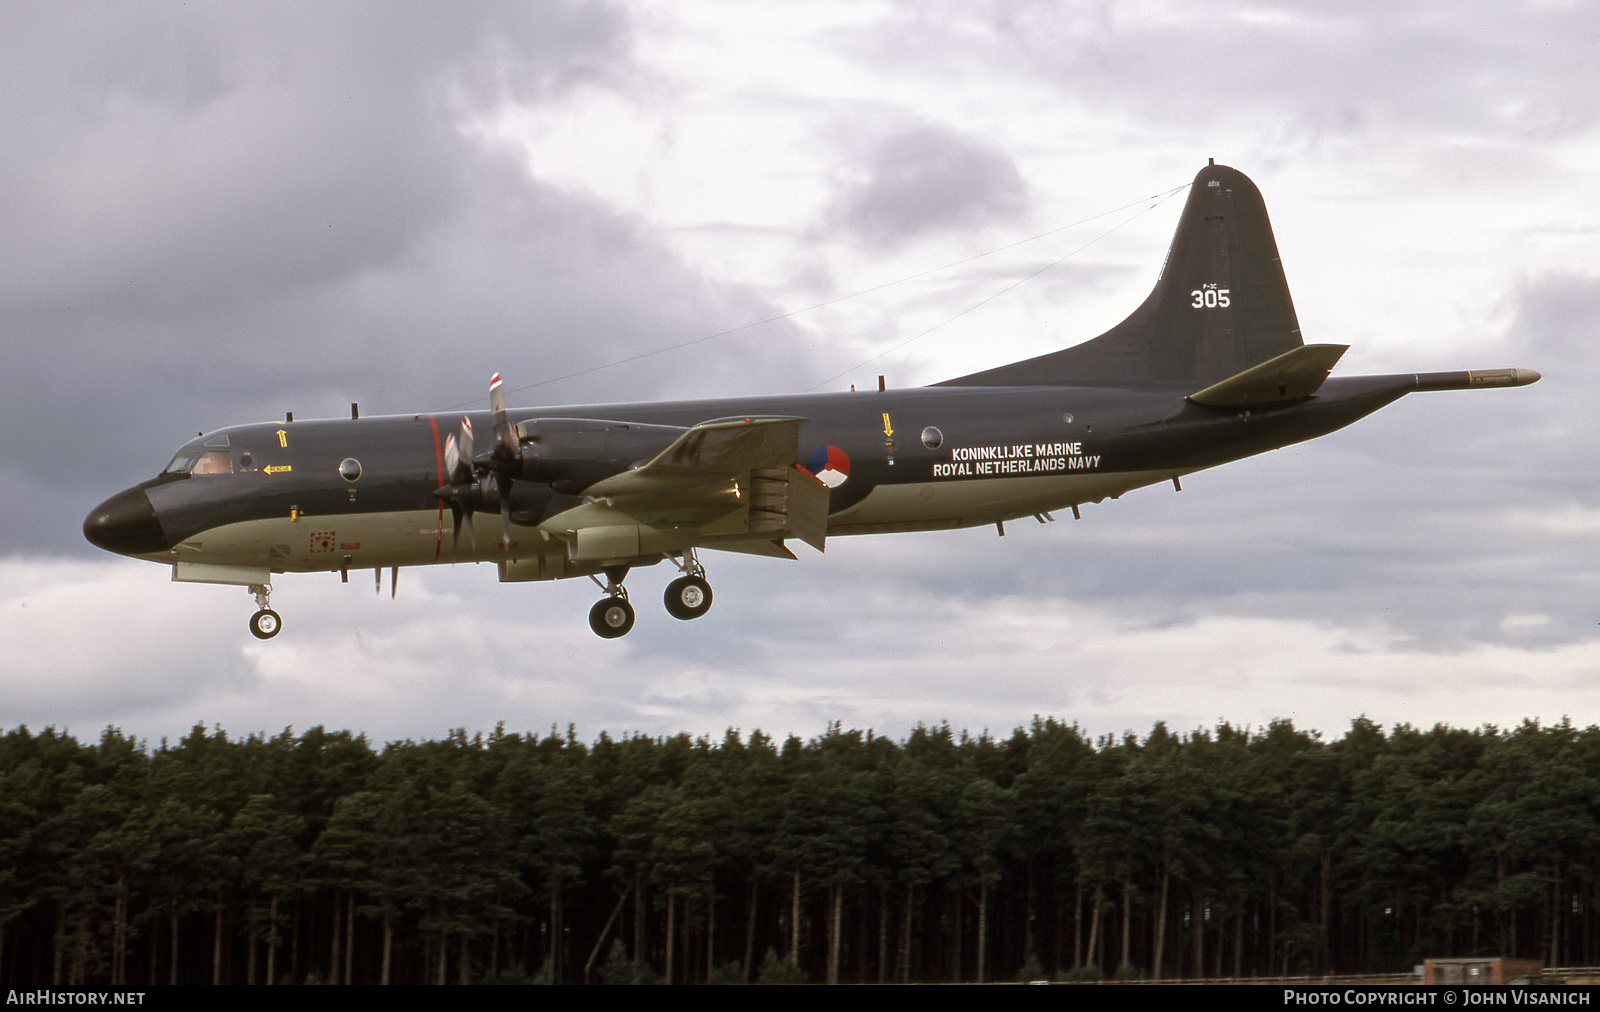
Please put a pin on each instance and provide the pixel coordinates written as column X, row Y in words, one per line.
column 265, row 623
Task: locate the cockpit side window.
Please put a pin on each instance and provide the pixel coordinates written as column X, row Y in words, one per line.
column 213, row 462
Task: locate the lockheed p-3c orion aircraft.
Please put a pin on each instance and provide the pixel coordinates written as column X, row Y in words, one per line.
column 1210, row 368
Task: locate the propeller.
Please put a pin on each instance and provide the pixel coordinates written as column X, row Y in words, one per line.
column 462, row 485
column 469, row 477
column 506, row 456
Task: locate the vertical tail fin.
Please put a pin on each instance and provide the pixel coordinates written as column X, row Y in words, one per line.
column 1220, row 306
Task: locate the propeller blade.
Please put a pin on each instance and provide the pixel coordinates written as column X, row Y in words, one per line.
column 504, row 484
column 452, row 458
column 461, row 499
column 506, row 446
column 455, row 527
column 458, row 455
column 464, row 440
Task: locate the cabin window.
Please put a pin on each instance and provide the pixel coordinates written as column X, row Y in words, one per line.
column 349, row 469
column 932, row 438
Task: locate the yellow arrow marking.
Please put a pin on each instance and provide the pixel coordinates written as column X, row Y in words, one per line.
column 283, row 438
column 887, row 429
column 276, row 468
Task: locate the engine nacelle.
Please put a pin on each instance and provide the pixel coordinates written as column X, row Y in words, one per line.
column 570, row 454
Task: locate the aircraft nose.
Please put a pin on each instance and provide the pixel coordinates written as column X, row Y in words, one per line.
column 126, row 524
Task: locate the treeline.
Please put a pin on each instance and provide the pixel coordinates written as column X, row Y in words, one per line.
column 849, row 857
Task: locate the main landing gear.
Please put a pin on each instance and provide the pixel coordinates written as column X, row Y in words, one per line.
column 687, row 597
column 612, row 615
column 265, row 623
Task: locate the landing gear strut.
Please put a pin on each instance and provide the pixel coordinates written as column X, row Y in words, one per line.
column 612, row 615
column 689, row 596
column 265, row 623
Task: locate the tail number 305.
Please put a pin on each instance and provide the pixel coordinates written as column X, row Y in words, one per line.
column 1209, row 297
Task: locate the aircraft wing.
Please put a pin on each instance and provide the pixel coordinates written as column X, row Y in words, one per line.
column 728, row 483
column 708, row 452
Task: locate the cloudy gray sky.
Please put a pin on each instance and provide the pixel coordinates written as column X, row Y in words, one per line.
column 213, row 215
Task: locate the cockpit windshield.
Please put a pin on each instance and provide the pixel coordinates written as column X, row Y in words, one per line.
column 211, row 456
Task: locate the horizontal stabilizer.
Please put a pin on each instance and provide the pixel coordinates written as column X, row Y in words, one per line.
column 1294, row 375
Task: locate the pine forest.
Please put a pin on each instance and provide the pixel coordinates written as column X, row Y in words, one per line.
column 852, row 857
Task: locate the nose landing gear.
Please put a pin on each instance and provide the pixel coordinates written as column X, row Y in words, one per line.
column 265, row 623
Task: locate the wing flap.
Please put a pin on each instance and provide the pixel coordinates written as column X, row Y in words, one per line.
column 807, row 518
column 771, row 549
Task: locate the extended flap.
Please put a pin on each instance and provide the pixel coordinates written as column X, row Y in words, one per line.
column 808, row 508
column 771, row 549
